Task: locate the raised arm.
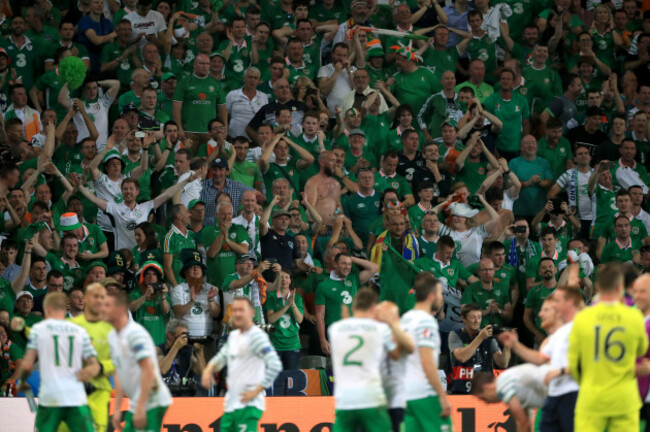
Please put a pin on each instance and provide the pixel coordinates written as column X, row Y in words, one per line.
column 170, row 192
column 100, row 203
column 90, row 124
column 460, row 160
column 368, row 269
column 306, row 159
column 266, row 216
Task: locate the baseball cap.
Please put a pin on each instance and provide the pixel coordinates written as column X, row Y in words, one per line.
column 24, row 293
column 451, row 122
column 245, row 257
column 168, row 75
column 220, row 163
column 280, row 212
column 357, row 132
column 128, row 108
column 69, row 221
column 217, row 53
column 194, row 202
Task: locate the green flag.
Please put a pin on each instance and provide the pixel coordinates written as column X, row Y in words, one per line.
column 396, row 278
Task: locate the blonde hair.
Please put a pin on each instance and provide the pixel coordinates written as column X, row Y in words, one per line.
column 56, row 300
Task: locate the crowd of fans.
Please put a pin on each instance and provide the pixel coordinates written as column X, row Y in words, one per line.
column 279, row 149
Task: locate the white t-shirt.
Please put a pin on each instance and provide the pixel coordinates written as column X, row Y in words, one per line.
column 111, row 191
column 192, row 191
column 576, row 187
column 62, row 346
column 423, row 329
column 392, row 373
column 241, row 110
column 525, row 381
column 199, row 318
column 128, row 347
column 98, row 112
column 470, row 242
column 557, row 349
column 125, row 220
column 150, row 24
column 342, row 86
column 359, row 347
column 251, row 361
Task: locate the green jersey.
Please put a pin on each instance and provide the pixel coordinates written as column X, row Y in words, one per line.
column 534, row 301
column 240, row 59
column 222, row 264
column 50, row 84
column 362, row 211
column 334, row 293
column 200, row 97
column 604, row 47
column 436, row 110
column 151, row 316
column 7, row 296
column 475, row 293
column 482, row 48
column 165, row 105
column 532, row 266
column 285, row 337
column 305, row 68
column 481, row 92
column 557, row 156
column 396, row 181
column 288, row 171
column 615, row 251
column 522, row 15
column 440, row 61
column 473, row 174
column 605, row 210
column 543, row 85
column 415, row 87
column 73, row 275
column 512, row 113
column 427, row 249
column 312, row 54
column 416, row 213
column 247, row 173
column 93, row 239
column 128, row 98
column 25, row 60
column 175, row 242
column 321, row 14
column 637, row 229
column 376, row 74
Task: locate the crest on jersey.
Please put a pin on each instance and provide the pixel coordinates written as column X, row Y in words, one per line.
column 451, row 271
column 427, row 333
column 348, row 283
column 395, row 185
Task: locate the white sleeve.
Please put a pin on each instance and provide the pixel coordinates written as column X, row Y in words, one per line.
column 176, row 295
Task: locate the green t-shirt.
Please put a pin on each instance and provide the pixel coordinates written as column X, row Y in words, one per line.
column 512, row 113
column 439, row 62
column 93, row 240
column 124, row 70
column 240, row 59
column 557, row 156
column 414, row 88
column 533, row 198
column 174, row 243
column 362, row 211
column 200, row 97
column 475, row 293
column 128, row 98
column 543, row 85
column 396, row 182
column 50, row 83
column 534, row 301
column 285, row 337
column 532, row 266
column 72, row 276
column 223, row 263
column 450, row 273
column 288, row 171
column 522, row 15
column 605, row 210
column 151, row 316
column 637, row 230
column 473, row 174
column 247, row 173
column 483, row 49
column 307, row 68
column 7, row 296
column 427, row 249
column 481, row 92
column 335, row 293
column 614, row 252
column 26, row 60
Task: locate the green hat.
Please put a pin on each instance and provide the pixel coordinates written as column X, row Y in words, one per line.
column 374, row 49
column 150, row 265
column 218, row 53
column 194, row 202
column 149, row 255
column 167, row 75
column 451, row 122
column 95, row 263
column 113, row 154
column 191, row 258
column 69, row 221
column 116, row 263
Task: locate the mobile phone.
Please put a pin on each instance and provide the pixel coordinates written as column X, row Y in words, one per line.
column 140, row 134
column 519, row 229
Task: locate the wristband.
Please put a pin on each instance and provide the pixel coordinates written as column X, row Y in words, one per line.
column 101, row 368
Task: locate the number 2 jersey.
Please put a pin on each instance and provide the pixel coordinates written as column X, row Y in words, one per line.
column 604, row 343
column 62, row 346
column 359, row 346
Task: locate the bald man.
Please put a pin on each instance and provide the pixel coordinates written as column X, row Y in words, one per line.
column 323, row 191
column 98, row 329
column 535, row 175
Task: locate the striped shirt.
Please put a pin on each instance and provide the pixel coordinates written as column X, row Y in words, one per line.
column 209, row 194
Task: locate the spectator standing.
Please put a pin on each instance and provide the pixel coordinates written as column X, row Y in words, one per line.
column 535, row 176
column 94, row 32
column 242, row 104
column 150, row 303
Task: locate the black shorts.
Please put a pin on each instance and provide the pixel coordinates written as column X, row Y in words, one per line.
column 558, row 412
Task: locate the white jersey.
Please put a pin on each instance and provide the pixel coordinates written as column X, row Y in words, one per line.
column 192, row 191
column 251, row 361
column 98, row 112
column 125, row 220
column 128, row 347
column 525, row 381
column 574, row 182
column 392, row 373
column 62, row 347
column 557, row 349
column 359, row 346
column 110, row 191
column 423, row 329
column 150, row 24
column 199, row 318
column 468, row 243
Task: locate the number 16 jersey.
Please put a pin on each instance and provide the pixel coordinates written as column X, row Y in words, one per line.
column 359, row 346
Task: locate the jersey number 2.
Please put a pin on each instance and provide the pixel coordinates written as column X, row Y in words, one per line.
column 56, row 350
column 613, row 350
column 357, row 347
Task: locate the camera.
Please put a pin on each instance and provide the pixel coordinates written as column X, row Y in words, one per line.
column 197, row 339
column 140, row 134
column 311, row 91
column 557, row 206
column 271, row 260
column 157, row 287
column 519, row 229
column 497, row 329
column 180, row 387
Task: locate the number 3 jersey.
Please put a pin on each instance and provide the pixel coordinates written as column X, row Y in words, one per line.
column 359, row 346
column 604, row 343
column 62, row 347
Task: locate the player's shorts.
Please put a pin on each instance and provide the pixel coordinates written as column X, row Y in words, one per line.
column 98, row 403
column 592, row 422
column 366, row 420
column 241, row 420
column 155, row 418
column 78, row 418
column 424, row 415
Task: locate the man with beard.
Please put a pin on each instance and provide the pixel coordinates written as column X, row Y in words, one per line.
column 536, row 296
column 195, row 302
column 360, row 12
column 68, row 264
column 22, row 52
column 323, row 190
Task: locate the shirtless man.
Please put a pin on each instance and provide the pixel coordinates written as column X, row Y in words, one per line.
column 323, row 190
